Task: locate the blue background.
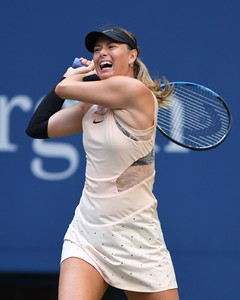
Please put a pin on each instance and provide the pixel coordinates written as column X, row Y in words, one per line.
column 198, row 192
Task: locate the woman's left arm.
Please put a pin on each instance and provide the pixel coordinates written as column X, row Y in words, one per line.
column 116, row 92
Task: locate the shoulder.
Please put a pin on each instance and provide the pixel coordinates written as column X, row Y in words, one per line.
column 139, row 111
column 129, row 86
column 125, row 81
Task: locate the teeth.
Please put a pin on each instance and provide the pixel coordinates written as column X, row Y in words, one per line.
column 106, row 64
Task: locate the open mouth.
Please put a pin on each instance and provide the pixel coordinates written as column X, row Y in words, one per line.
column 105, row 64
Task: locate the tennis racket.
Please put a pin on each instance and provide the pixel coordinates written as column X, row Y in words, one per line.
column 196, row 117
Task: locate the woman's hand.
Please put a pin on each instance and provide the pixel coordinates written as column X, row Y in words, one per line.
column 87, row 69
column 86, row 62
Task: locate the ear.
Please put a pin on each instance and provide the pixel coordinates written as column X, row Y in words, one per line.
column 133, row 56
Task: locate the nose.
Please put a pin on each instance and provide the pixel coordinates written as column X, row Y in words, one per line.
column 103, row 51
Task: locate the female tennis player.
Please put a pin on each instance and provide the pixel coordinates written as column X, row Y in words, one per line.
column 115, row 237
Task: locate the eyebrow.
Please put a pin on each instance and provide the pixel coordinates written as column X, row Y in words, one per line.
column 109, row 41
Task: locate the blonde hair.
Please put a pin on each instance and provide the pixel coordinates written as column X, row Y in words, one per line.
column 162, row 93
column 141, row 73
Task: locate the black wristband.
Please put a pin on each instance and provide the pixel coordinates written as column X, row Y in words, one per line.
column 92, row 77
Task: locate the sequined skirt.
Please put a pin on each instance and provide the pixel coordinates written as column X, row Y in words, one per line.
column 129, row 253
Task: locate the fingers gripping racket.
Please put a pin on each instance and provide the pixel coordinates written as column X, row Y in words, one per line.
column 196, row 117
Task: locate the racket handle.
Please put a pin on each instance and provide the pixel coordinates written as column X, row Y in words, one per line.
column 77, row 64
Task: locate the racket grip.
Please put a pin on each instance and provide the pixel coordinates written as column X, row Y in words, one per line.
column 77, row 64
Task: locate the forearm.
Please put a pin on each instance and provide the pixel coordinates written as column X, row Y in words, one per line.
column 38, row 124
column 51, row 103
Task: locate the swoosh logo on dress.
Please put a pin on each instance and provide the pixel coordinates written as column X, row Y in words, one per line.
column 96, row 121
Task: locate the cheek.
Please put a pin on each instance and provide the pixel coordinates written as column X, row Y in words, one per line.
column 96, row 66
column 94, row 60
column 123, row 62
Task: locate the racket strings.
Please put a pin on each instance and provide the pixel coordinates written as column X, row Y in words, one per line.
column 191, row 117
column 197, row 107
column 206, row 97
column 195, row 117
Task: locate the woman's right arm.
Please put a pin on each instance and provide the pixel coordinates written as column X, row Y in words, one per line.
column 67, row 121
column 49, row 120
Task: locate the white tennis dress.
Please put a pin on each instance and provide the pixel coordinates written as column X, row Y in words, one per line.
column 116, row 227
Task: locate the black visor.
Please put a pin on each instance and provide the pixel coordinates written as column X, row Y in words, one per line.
column 116, row 35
